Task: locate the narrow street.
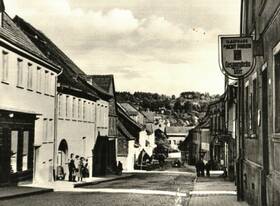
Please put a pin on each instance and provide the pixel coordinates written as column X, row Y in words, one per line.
column 140, row 189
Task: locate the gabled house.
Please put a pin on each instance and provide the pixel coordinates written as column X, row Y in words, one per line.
column 106, row 82
column 145, row 144
column 176, row 135
column 82, row 109
column 128, row 136
column 28, row 89
column 133, row 113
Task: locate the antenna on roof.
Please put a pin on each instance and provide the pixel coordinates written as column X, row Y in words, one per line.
column 2, row 6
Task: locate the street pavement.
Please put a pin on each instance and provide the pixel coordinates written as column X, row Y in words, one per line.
column 151, row 189
column 214, row 191
column 176, row 187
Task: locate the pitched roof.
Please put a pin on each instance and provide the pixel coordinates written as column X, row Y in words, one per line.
column 13, row 34
column 129, row 109
column 124, row 131
column 123, row 113
column 104, row 81
column 178, row 130
column 150, row 116
column 73, row 78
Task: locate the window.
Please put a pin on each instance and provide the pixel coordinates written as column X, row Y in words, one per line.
column 5, row 66
column 147, row 143
column 52, row 84
column 25, row 150
column 60, row 105
column 254, row 107
column 45, row 130
column 84, row 110
column 39, row 79
column 73, row 107
column 247, row 110
column 20, row 73
column 277, row 92
column 79, row 109
column 84, row 139
column 29, row 76
column 50, row 130
column 67, row 107
column 14, row 151
column 46, row 82
column 93, row 112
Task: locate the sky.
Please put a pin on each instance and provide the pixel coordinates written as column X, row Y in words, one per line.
column 158, row 46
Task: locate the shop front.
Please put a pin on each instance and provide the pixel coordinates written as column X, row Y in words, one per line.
column 16, row 146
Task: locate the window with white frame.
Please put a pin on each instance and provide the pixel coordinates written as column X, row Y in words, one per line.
column 50, row 130
column 5, row 66
column 74, row 107
column 52, row 84
column 93, row 112
column 84, row 110
column 46, row 82
column 39, row 79
column 45, row 130
column 60, row 105
column 19, row 72
column 89, row 112
column 67, row 107
column 79, row 108
column 29, row 76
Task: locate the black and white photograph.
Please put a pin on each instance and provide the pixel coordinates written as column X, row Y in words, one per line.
column 139, row 102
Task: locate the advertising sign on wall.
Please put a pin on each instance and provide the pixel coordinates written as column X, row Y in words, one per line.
column 236, row 54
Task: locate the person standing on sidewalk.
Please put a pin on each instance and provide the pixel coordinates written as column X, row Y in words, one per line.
column 71, row 167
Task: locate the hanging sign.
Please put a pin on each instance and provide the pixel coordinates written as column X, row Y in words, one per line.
column 236, row 54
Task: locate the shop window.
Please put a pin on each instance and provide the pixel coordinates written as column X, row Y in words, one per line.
column 25, row 150
column 14, row 151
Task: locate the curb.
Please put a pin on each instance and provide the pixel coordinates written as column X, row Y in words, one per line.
column 101, row 181
column 24, row 194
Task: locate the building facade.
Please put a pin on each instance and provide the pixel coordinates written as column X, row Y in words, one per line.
column 259, row 166
column 27, row 105
column 81, row 112
column 128, row 141
column 107, row 83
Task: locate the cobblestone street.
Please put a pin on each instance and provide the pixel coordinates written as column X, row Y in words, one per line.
column 140, row 189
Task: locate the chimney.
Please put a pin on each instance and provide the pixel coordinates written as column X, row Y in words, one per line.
column 2, row 6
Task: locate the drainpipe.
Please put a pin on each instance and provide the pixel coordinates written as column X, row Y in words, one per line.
column 55, row 124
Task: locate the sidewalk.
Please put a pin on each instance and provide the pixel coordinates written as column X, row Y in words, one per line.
column 9, row 192
column 214, row 191
column 26, row 189
column 67, row 186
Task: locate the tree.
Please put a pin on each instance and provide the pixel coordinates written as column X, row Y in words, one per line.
column 162, row 148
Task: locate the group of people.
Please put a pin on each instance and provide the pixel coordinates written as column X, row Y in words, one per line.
column 201, row 167
column 78, row 168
